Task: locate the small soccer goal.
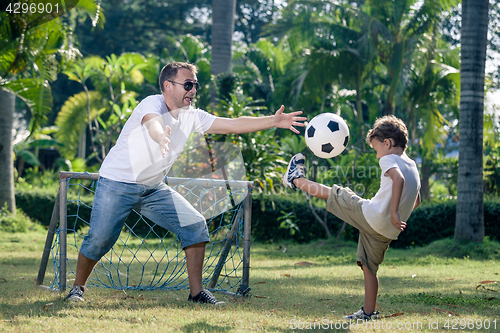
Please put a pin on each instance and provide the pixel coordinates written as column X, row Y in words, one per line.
column 146, row 256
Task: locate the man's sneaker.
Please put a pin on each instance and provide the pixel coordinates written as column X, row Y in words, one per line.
column 295, row 170
column 205, row 296
column 361, row 314
column 76, row 294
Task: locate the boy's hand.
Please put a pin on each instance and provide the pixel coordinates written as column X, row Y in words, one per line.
column 397, row 223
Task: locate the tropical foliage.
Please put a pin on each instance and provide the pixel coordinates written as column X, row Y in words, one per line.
column 360, row 59
column 33, row 49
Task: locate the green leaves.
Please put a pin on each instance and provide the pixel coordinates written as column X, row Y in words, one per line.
column 37, row 96
column 286, row 221
column 73, row 119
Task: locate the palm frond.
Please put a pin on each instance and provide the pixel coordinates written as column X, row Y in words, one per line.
column 73, row 119
column 38, row 97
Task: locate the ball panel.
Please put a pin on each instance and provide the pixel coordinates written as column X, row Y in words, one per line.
column 327, row 148
column 346, row 140
column 333, row 126
column 310, row 131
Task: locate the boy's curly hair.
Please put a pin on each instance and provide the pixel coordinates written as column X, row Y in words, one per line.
column 389, row 127
column 170, row 71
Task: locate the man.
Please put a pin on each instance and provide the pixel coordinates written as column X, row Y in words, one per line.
column 133, row 172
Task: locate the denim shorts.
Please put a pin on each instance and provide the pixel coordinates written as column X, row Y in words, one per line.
column 113, row 202
column 346, row 205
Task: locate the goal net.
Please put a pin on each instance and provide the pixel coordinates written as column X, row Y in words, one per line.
column 146, row 256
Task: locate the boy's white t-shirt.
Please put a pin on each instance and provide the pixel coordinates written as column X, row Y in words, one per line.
column 136, row 158
column 377, row 211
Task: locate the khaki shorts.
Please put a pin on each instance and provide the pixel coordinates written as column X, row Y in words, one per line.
column 346, row 205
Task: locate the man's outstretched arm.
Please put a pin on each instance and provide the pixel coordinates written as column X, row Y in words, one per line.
column 253, row 124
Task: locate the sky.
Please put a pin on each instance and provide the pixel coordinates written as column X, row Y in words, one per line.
column 492, row 98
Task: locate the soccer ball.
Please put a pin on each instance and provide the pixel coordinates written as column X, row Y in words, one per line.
column 327, row 135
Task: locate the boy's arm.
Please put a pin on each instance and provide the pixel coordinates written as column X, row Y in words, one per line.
column 160, row 135
column 398, row 181
column 418, row 201
column 253, row 124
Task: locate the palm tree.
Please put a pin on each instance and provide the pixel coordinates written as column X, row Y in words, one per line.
column 395, row 29
column 223, row 12
column 116, row 80
column 6, row 162
column 469, row 225
column 259, row 66
column 25, row 74
column 329, row 49
column 30, row 56
column 431, row 101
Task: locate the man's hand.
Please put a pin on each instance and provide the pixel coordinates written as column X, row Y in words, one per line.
column 397, row 223
column 288, row 120
column 164, row 140
column 161, row 136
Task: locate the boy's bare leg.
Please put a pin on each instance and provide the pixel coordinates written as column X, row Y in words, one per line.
column 84, row 267
column 195, row 254
column 371, row 290
column 315, row 189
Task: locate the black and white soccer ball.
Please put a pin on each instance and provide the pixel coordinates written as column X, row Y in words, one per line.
column 327, row 135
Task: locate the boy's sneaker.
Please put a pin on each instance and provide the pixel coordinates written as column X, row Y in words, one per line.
column 76, row 294
column 205, row 296
column 361, row 314
column 295, row 170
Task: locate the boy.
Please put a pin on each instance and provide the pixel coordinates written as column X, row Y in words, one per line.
column 380, row 219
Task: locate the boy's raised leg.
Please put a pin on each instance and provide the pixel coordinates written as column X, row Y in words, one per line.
column 317, row 190
column 294, row 170
column 295, row 178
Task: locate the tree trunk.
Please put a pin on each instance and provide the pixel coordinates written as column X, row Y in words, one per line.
column 223, row 12
column 425, row 188
column 469, row 225
column 7, row 106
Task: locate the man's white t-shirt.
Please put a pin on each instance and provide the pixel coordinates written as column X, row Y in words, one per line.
column 136, row 158
column 377, row 211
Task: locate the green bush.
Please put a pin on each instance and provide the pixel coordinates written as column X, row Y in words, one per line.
column 433, row 222
column 487, row 250
column 427, row 223
column 38, row 204
column 267, row 217
column 19, row 222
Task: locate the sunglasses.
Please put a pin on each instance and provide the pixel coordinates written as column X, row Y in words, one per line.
column 188, row 85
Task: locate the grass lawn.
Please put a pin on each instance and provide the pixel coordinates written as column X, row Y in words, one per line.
column 442, row 287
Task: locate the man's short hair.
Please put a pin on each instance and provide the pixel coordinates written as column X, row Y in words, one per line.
column 170, row 71
column 389, row 127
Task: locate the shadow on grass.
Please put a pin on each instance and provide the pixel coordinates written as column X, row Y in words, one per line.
column 203, row 326
column 289, row 296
